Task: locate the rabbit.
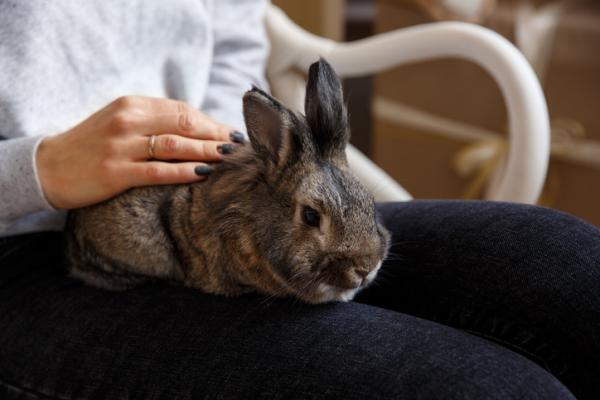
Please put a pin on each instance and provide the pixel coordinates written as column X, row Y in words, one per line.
column 283, row 215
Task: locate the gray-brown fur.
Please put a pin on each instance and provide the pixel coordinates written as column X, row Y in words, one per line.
column 243, row 229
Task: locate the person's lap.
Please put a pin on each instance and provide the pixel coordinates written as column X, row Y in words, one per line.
column 63, row 340
column 523, row 276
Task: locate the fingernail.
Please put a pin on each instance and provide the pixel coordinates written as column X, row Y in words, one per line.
column 225, row 148
column 203, row 170
column 237, row 137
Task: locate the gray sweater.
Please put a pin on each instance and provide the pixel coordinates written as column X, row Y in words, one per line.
column 62, row 60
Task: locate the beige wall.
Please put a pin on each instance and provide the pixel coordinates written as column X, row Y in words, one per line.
column 425, row 162
column 322, row 17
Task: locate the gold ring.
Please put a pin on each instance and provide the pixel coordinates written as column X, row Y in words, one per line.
column 151, row 141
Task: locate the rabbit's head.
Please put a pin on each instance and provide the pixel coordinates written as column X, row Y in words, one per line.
column 304, row 212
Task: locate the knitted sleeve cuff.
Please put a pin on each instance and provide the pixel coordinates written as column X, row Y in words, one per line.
column 20, row 189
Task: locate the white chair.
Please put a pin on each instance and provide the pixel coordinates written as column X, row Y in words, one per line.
column 523, row 175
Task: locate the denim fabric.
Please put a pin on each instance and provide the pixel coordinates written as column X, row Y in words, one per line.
column 477, row 301
column 525, row 277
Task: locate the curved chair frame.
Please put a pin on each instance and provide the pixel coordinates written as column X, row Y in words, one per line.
column 523, row 175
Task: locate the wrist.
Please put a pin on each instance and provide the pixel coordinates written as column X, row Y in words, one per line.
column 47, row 170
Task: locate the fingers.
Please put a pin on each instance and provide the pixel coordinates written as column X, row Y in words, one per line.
column 164, row 173
column 191, row 123
column 174, row 147
column 153, row 116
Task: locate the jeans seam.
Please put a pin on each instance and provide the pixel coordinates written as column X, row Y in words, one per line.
column 472, row 319
column 22, row 389
column 510, row 345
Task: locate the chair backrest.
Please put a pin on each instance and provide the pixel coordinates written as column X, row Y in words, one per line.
column 523, row 176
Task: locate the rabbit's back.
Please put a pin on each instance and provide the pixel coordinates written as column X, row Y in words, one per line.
column 124, row 241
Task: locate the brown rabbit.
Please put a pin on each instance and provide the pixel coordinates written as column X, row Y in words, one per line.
column 283, row 216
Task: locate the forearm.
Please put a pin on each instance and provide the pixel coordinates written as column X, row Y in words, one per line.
column 104, row 155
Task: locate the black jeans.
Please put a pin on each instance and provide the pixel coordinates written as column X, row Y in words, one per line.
column 477, row 300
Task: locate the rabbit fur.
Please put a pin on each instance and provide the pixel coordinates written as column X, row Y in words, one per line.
column 283, row 215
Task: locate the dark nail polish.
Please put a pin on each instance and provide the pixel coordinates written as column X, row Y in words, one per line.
column 225, row 148
column 237, row 137
column 203, row 170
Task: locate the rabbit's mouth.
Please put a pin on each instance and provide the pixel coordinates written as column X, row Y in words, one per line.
column 339, row 285
column 349, row 273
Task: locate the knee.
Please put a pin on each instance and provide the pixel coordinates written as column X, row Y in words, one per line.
column 524, row 381
column 511, row 232
column 485, row 219
column 546, row 221
column 521, row 230
column 469, row 376
column 549, row 234
column 489, row 375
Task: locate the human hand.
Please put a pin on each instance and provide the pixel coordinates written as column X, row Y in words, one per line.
column 109, row 152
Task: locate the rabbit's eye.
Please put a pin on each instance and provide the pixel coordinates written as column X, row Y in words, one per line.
column 311, row 216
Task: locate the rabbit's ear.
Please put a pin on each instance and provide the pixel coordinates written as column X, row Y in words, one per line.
column 325, row 110
column 269, row 126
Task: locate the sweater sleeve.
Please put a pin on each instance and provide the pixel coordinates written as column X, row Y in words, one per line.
column 239, row 58
column 20, row 189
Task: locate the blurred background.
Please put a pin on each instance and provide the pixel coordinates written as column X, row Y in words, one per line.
column 439, row 127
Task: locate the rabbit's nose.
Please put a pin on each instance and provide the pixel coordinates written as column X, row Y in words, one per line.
column 362, row 272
